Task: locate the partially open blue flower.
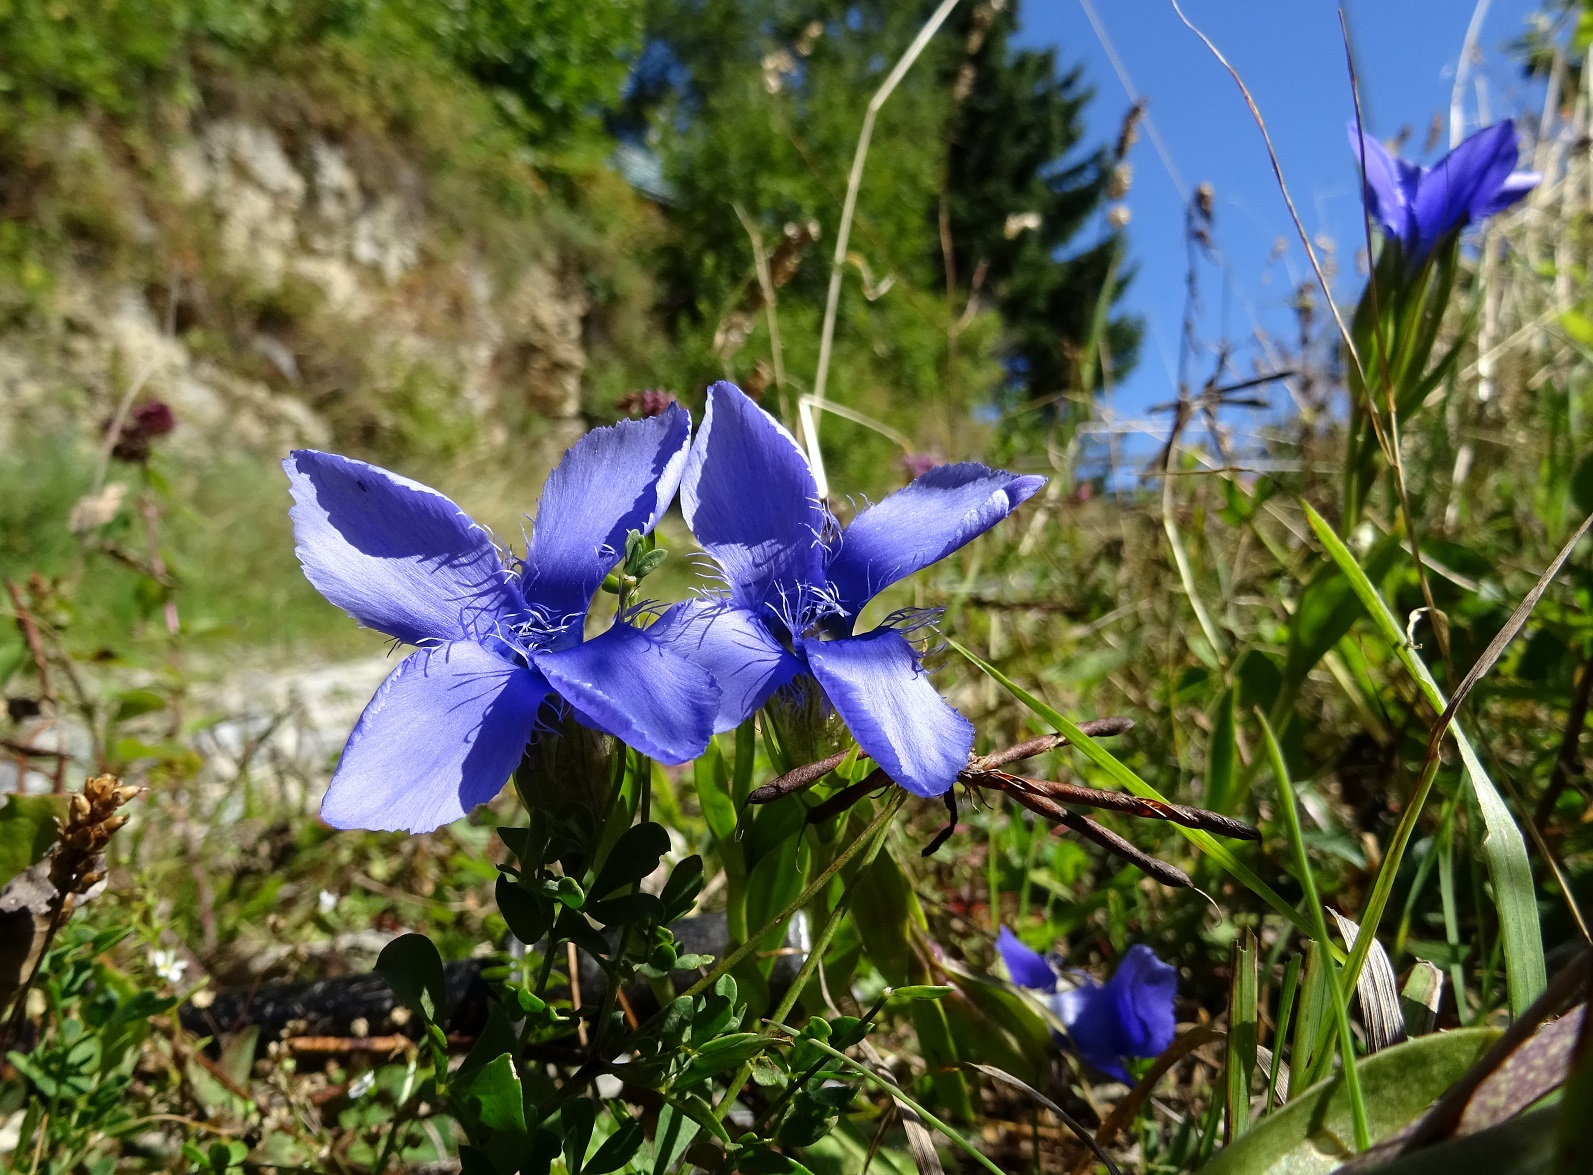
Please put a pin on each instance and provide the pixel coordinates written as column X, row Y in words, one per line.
column 795, row 588
column 1419, row 206
column 1130, row 1015
column 450, row 723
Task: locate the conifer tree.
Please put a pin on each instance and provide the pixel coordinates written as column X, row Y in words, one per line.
column 1017, row 199
column 754, row 107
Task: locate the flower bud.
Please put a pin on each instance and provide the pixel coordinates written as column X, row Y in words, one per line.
column 568, row 775
column 805, row 724
column 96, row 786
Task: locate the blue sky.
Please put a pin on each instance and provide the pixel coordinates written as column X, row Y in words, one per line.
column 1291, row 55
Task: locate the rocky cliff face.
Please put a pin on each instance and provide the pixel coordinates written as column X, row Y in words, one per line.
column 302, row 299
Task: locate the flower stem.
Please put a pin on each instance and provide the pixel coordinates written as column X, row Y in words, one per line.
column 809, row 965
column 802, row 899
column 896, row 1092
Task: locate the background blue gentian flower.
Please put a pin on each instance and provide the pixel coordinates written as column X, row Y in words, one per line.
column 450, row 723
column 1130, row 1015
column 795, row 587
column 1419, row 206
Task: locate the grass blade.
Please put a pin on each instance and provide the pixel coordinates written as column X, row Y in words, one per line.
column 1242, row 1027
column 1419, row 1001
column 1222, row 756
column 1066, row 1118
column 1503, row 847
column 1312, row 997
column 1376, row 990
column 895, row 1091
column 1291, row 984
column 1446, row 893
column 1335, row 985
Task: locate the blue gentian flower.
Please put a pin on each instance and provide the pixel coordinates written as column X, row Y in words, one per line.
column 450, row 723
column 1419, row 206
column 796, row 587
column 1130, row 1015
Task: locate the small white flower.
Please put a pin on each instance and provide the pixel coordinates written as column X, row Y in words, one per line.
column 327, row 901
column 1019, row 223
column 168, row 966
column 361, row 1085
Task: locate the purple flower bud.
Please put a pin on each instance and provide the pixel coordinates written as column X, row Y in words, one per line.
column 143, row 424
column 646, row 403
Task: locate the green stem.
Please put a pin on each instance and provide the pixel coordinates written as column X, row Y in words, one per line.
column 809, row 965
column 992, row 872
column 1029, row 855
column 896, row 1092
column 1341, row 1015
column 1291, row 984
column 595, row 1065
column 1503, row 848
column 802, row 899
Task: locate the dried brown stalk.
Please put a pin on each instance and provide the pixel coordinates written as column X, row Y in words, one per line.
column 35, row 902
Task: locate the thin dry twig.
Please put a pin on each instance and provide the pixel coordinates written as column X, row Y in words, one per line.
column 30, row 634
column 1068, row 1119
column 1390, row 442
column 1277, row 171
column 1127, row 1110
column 760, row 260
column 853, row 182
column 1040, row 745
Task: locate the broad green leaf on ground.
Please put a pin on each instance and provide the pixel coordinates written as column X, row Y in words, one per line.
column 1521, row 1146
column 1314, row 1133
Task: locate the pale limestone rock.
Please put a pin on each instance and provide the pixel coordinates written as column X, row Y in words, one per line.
column 306, row 214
